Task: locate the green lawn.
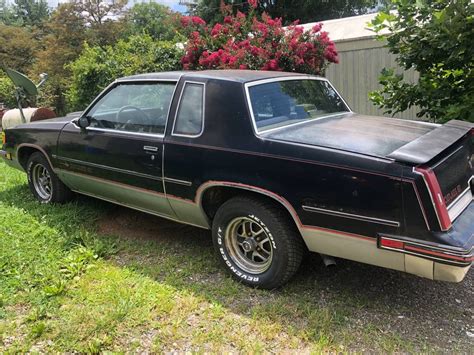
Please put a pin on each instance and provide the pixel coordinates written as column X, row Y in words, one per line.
column 66, row 285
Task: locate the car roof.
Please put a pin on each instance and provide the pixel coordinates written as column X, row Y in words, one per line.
column 242, row 76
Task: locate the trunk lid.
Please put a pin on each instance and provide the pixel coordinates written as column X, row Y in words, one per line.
column 369, row 135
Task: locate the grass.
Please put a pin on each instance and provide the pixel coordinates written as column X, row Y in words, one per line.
column 65, row 286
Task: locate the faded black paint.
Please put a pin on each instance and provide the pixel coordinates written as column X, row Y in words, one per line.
column 349, row 180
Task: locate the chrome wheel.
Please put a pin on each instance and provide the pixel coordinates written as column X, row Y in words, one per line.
column 249, row 245
column 42, row 182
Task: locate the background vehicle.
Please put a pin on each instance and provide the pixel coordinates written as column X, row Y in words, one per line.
column 274, row 163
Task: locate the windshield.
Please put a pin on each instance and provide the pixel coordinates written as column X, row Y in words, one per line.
column 283, row 103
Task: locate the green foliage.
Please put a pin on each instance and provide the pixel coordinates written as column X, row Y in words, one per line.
column 290, row 10
column 6, row 13
column 7, row 92
column 97, row 67
column 30, row 12
column 99, row 11
column 35, row 41
column 153, row 19
column 62, row 43
column 434, row 37
column 37, row 330
column 103, row 20
column 17, row 47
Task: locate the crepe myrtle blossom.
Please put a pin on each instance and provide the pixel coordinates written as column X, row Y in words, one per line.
column 253, row 3
column 247, row 42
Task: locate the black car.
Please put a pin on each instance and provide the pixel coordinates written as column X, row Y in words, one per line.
column 274, row 163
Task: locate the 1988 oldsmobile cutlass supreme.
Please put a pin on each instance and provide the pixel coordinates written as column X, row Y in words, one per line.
column 274, row 163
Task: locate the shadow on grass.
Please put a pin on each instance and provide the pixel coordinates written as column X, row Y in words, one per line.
column 341, row 301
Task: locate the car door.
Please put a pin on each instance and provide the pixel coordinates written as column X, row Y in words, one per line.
column 184, row 160
column 119, row 156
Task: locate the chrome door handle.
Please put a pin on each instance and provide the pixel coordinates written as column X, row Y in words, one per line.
column 150, row 148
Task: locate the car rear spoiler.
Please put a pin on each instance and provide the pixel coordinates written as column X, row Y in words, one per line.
column 428, row 146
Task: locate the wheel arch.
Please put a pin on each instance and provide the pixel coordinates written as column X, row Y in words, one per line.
column 24, row 152
column 211, row 195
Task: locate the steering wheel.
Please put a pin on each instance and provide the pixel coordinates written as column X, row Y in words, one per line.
column 145, row 120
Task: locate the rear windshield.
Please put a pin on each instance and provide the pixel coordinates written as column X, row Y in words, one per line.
column 284, row 103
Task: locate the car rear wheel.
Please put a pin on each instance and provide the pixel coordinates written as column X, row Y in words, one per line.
column 257, row 242
column 44, row 183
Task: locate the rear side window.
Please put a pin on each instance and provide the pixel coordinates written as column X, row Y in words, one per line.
column 190, row 117
column 282, row 103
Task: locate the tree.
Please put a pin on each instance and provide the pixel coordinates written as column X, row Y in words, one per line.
column 290, row 10
column 30, row 12
column 6, row 13
column 435, row 38
column 62, row 43
column 18, row 47
column 98, row 66
column 156, row 20
column 107, row 33
column 245, row 42
column 103, row 18
column 98, row 11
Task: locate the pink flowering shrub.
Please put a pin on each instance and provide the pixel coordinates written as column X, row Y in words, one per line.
column 246, row 42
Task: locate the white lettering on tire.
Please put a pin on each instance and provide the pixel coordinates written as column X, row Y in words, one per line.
column 270, row 235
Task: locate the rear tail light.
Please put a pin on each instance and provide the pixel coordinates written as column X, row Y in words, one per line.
column 436, row 196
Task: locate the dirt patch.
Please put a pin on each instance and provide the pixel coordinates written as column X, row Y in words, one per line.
column 20, row 312
column 131, row 224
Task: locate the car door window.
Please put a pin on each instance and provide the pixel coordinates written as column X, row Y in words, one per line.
column 134, row 107
column 190, row 117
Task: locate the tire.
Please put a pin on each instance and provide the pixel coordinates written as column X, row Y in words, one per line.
column 44, row 183
column 270, row 253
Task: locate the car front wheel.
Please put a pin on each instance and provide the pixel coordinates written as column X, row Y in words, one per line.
column 43, row 182
column 257, row 242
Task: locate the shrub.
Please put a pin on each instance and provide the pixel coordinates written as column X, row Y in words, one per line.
column 97, row 67
column 247, row 42
column 7, row 92
column 436, row 39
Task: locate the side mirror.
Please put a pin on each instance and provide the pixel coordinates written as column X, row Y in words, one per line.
column 83, row 122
